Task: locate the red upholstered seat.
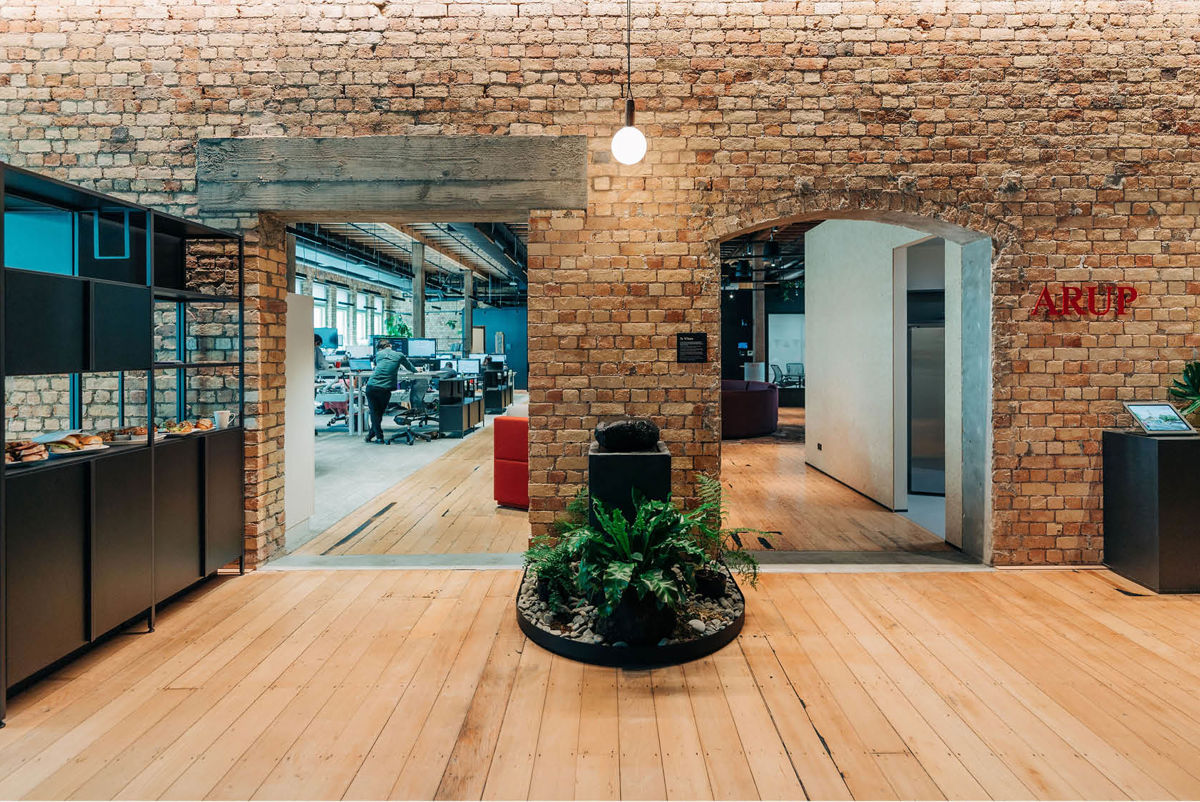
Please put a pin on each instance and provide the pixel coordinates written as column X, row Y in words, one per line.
column 511, row 443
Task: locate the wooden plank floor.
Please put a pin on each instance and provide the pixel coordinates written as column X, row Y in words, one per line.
column 769, row 487
column 447, row 507
column 418, row 684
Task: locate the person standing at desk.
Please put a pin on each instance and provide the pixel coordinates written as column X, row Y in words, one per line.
column 381, row 384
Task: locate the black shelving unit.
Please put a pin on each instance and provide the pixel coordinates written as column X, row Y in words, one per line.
column 497, row 390
column 105, row 299
column 460, row 407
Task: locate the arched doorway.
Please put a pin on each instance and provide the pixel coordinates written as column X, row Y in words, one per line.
column 874, row 329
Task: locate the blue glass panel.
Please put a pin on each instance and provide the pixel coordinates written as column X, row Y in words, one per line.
column 40, row 240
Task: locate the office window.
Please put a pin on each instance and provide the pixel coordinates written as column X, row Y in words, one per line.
column 378, row 322
column 299, row 290
column 320, row 306
column 343, row 315
column 360, row 319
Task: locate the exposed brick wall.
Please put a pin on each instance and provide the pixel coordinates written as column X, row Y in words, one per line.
column 1066, row 131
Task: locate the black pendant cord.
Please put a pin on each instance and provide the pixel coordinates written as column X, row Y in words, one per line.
column 629, row 49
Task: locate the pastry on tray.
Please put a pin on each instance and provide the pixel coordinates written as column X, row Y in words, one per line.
column 204, row 424
column 24, row 451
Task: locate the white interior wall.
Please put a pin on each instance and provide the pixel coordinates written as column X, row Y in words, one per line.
column 785, row 339
column 850, row 332
column 299, row 441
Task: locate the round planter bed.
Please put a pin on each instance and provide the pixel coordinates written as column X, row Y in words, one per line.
column 559, row 639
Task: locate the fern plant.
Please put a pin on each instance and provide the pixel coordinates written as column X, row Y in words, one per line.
column 551, row 562
column 575, row 516
column 1187, row 389
column 717, row 541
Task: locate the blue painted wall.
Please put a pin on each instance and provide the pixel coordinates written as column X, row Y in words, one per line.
column 514, row 322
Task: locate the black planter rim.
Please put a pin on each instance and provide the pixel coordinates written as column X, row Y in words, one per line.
column 633, row 656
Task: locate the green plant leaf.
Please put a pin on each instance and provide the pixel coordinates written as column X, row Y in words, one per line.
column 657, row 585
column 616, row 579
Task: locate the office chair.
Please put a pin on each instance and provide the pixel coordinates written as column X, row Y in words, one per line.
column 415, row 419
column 777, row 375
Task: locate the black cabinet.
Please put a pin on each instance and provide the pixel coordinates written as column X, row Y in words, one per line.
column 45, row 567
column 456, row 420
column 177, row 516
column 224, row 498
column 1151, row 510
column 122, row 539
column 120, row 327
column 43, row 324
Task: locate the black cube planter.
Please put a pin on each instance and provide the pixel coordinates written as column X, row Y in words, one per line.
column 614, row 475
column 1151, row 509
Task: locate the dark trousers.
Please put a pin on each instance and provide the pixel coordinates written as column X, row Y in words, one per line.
column 377, row 401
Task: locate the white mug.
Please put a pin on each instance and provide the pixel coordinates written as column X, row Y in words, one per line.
column 223, row 417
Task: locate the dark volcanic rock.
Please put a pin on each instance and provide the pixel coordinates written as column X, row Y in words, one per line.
column 627, row 434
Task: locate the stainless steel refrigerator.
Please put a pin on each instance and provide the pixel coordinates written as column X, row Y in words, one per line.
column 927, row 409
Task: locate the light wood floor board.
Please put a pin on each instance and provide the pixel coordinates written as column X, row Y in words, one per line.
column 769, row 487
column 418, row 684
column 447, row 507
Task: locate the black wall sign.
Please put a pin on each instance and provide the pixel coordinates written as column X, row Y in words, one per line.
column 691, row 347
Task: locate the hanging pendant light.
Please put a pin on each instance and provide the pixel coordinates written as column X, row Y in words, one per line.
column 628, row 144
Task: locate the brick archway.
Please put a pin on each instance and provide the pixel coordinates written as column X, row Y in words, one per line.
column 956, row 224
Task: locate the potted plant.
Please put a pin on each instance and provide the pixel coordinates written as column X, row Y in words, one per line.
column 1187, row 390
column 719, row 543
column 395, row 326
column 637, row 572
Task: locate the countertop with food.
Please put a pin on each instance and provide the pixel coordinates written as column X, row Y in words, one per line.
column 65, row 444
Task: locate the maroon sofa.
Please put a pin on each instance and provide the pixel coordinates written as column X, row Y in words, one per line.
column 748, row 409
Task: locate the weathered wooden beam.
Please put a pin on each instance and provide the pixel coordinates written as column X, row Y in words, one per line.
column 472, row 177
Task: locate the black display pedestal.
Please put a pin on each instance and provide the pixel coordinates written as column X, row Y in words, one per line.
column 613, row 476
column 1151, row 509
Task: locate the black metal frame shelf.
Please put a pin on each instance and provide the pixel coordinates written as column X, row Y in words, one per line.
column 95, row 540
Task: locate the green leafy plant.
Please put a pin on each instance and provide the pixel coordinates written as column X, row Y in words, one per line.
column 575, row 516
column 719, row 542
column 791, row 289
column 551, row 562
column 654, row 556
column 1187, row 388
column 395, row 326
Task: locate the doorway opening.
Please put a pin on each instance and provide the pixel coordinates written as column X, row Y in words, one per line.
column 856, row 389
column 392, row 468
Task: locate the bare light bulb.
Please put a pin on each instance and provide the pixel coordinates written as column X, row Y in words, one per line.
column 629, row 144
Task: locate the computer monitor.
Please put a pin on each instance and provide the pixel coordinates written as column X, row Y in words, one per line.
column 329, row 337
column 480, row 357
column 360, row 363
column 468, row 366
column 421, row 347
column 359, row 351
column 399, row 344
column 498, row 358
